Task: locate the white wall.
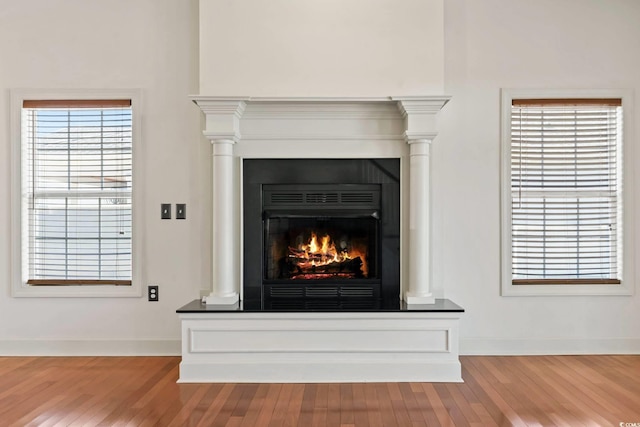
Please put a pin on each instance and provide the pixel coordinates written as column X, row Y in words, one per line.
column 153, row 45
column 496, row 44
column 321, row 48
column 146, row 44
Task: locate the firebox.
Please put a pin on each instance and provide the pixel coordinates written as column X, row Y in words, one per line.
column 319, row 230
column 321, row 240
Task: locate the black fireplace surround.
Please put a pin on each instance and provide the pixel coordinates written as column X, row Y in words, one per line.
column 321, row 233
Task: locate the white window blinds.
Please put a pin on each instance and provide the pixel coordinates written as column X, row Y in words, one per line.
column 566, row 191
column 78, row 189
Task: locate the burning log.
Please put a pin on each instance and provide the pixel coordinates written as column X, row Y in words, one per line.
column 320, row 259
column 300, row 256
column 297, row 253
column 349, row 267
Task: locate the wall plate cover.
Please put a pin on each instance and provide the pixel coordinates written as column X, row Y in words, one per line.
column 165, row 211
column 153, row 293
column 181, row 211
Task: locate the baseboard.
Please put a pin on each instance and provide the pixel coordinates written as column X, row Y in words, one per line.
column 554, row 346
column 397, row 370
column 90, row 347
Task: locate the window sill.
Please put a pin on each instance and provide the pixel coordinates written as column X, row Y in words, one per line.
column 93, row 291
column 509, row 289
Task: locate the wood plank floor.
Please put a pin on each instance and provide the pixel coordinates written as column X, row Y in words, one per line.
column 498, row 391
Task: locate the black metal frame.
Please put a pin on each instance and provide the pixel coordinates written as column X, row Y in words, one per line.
column 357, row 179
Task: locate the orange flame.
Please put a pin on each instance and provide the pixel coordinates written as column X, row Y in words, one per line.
column 323, row 253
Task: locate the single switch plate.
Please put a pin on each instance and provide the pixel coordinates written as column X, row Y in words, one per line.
column 165, row 212
column 181, row 211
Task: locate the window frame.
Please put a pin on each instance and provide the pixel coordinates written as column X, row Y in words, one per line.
column 19, row 247
column 629, row 160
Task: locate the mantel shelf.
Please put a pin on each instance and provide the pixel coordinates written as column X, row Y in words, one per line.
column 398, row 306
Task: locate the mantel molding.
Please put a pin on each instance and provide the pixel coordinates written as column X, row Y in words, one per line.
column 224, row 114
column 222, row 117
column 406, row 104
column 420, row 116
column 220, row 105
column 421, row 104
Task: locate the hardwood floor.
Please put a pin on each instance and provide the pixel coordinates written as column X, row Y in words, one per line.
column 498, row 391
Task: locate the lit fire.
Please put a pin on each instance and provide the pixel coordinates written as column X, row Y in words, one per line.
column 320, row 258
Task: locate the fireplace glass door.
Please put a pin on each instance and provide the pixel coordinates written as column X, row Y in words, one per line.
column 321, row 241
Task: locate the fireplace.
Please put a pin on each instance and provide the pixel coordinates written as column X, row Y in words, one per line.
column 321, row 232
column 321, row 245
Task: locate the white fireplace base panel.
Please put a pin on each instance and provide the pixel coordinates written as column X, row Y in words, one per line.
column 261, row 347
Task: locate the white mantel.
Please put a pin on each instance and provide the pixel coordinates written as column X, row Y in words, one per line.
column 246, row 127
column 223, row 342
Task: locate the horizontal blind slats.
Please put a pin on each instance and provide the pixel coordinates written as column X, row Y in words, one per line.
column 80, row 181
column 565, row 177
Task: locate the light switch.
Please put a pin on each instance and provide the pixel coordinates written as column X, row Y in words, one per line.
column 181, row 211
column 165, row 212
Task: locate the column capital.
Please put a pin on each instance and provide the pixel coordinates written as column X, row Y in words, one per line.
column 222, row 117
column 419, row 113
column 221, row 105
column 413, row 138
column 411, row 105
column 219, row 138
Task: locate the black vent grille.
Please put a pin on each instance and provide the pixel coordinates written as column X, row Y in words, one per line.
column 286, row 198
column 353, row 197
column 322, row 198
column 356, row 291
column 298, row 197
column 324, row 292
column 286, row 292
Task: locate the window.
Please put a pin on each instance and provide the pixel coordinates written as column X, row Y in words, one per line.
column 563, row 196
column 76, row 187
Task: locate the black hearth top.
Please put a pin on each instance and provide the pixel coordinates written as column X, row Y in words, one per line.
column 440, row 306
